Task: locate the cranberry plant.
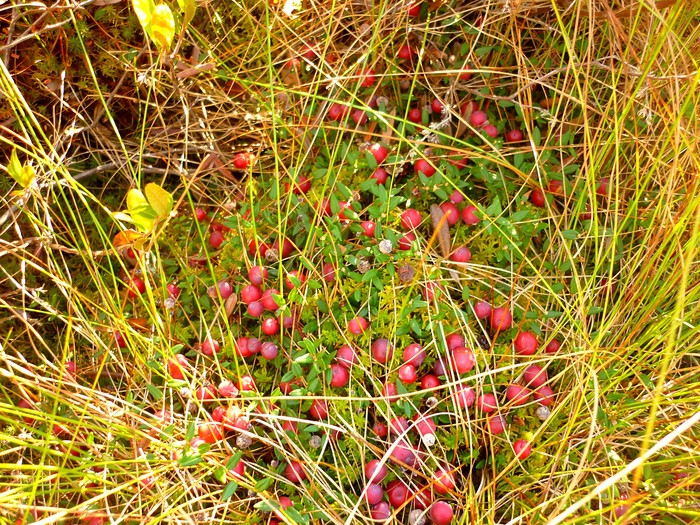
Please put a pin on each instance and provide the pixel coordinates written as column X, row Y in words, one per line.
column 401, row 263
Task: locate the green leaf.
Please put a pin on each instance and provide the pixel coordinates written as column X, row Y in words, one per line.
column 23, row 175
column 159, row 199
column 569, row 234
column 229, row 490
column 155, row 392
column 163, row 26
column 263, row 484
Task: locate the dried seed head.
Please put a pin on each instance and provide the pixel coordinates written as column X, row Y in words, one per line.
column 416, row 517
column 272, row 255
column 428, row 440
column 315, row 441
column 543, row 412
column 243, row 441
column 406, row 273
column 385, row 246
column 431, row 402
column 363, row 265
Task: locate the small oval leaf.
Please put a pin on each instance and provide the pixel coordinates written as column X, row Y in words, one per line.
column 163, row 26
column 159, row 199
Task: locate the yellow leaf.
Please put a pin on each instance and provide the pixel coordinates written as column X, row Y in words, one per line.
column 144, row 12
column 129, row 238
column 159, row 199
column 188, row 8
column 23, row 175
column 163, row 26
column 135, row 200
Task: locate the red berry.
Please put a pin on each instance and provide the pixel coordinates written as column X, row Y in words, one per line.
column 319, row 409
column 464, row 396
column 501, row 318
column 368, row 227
column 216, row 239
column 337, row 112
column 602, row 188
column 482, row 310
column 414, row 354
column 544, row 395
column 120, row 340
column 302, row 185
column 444, row 480
column 368, row 78
column 407, row 374
column 398, row 425
column 136, row 286
column 328, row 272
column 176, row 365
column 425, row 167
column 487, row 403
column 398, row 493
column 267, row 299
column 243, row 161
column 258, row 274
column 469, row 215
column 346, row 356
column 389, row 392
column 294, row 472
column 456, row 196
column 246, row 383
column 174, row 290
column 375, row 471
column 518, row 395
column 441, row 513
column 269, row 350
column 210, row 432
column 255, row 309
column 454, row 340
column 379, row 152
column 424, row 425
column 227, row 389
column 429, row 381
column 405, row 52
column 525, row 343
column 491, row 130
column 414, row 9
column 534, row 376
column 451, row 212
column 537, row 198
column 411, row 219
column 463, row 360
column 270, row 326
column 380, row 175
column 200, row 214
column 478, row 119
column 553, row 346
column 522, row 449
column 415, row 115
column 358, row 325
column 380, row 512
column 461, row 255
column 496, row 424
column 380, row 429
column 514, row 135
column 296, row 274
column 340, row 376
column 406, row 241
column 250, row 293
column 209, row 347
column 556, row 187
column 374, row 493
column 359, row 116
